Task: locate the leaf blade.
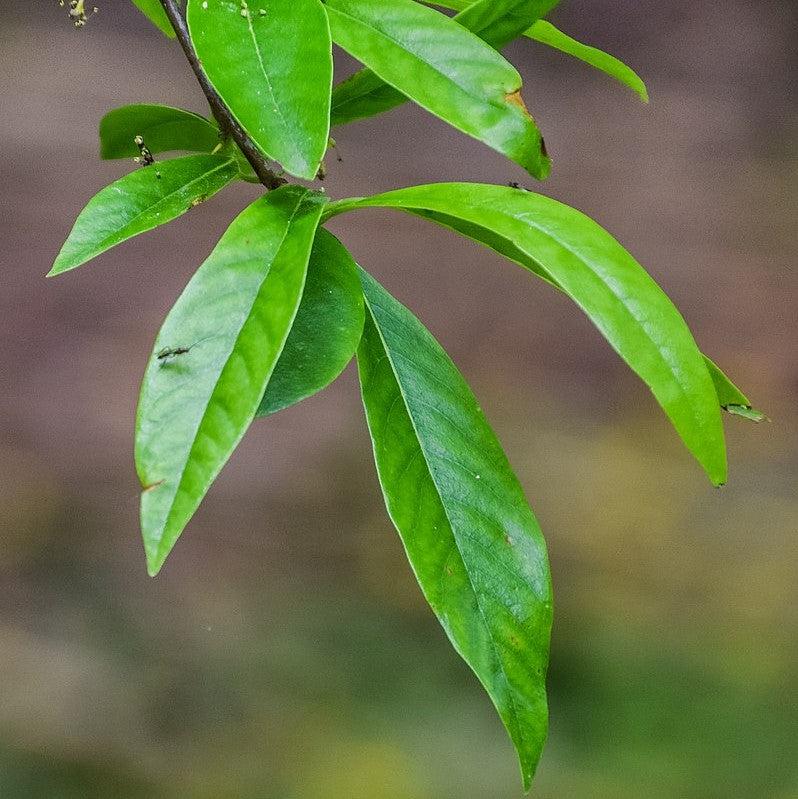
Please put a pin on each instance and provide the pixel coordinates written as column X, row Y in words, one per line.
column 605, row 281
column 231, row 323
column 153, row 10
column 473, row 542
column 496, row 23
column 140, row 201
column 546, row 33
column 448, row 70
column 326, row 330
column 271, row 60
column 163, row 128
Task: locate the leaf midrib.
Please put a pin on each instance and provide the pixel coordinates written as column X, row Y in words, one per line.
column 283, row 122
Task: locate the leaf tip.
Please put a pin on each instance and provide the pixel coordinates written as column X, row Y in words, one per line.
column 153, row 568
column 156, row 556
column 57, row 268
column 718, row 475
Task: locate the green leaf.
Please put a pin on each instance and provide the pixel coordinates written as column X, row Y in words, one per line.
column 163, row 129
column 326, row 331
column 153, row 10
column 731, row 399
column 442, row 67
column 271, row 61
column 141, row 201
column 544, row 32
column 499, row 22
column 496, row 22
column 616, row 293
column 213, row 358
column 473, row 542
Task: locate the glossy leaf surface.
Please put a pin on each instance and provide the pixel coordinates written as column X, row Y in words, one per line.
column 164, row 129
column 213, row 358
column 445, row 69
column 271, row 61
column 140, row 201
column 153, row 10
column 496, row 22
column 326, row 330
column 470, row 536
column 615, row 292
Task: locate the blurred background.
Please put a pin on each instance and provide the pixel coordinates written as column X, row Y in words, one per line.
column 285, row 652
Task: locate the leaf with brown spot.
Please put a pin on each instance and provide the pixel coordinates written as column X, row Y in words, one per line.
column 438, row 64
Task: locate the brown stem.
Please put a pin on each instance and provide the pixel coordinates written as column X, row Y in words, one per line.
column 227, row 124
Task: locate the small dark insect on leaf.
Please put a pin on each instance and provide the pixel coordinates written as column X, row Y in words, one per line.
column 166, row 354
column 515, row 185
column 172, row 352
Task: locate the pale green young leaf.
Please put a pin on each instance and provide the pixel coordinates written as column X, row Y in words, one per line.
column 616, row 293
column 271, row 61
column 326, row 330
column 213, row 358
column 496, row 22
column 164, row 129
column 153, row 10
column 140, row 201
column 445, row 69
column 471, row 538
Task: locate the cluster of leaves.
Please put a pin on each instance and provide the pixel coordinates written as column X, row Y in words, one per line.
column 279, row 308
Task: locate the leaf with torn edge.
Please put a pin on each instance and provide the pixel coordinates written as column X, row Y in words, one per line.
column 445, row 69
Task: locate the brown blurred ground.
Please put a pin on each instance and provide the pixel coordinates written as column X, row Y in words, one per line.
column 284, row 652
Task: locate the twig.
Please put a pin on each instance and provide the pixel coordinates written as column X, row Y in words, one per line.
column 227, row 124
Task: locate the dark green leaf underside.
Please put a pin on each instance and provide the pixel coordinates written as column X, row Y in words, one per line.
column 164, row 129
column 326, row 330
